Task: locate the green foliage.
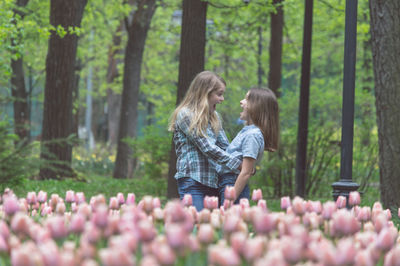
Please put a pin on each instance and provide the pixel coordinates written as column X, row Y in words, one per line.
column 152, row 152
column 99, row 161
column 16, row 162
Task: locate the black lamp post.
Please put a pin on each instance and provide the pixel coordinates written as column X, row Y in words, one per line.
column 345, row 185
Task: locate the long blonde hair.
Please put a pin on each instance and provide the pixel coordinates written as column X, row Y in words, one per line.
column 263, row 110
column 196, row 100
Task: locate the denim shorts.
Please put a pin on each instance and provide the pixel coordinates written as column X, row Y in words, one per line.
column 187, row 185
column 229, row 180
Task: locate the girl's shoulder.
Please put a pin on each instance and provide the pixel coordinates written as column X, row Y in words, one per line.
column 184, row 112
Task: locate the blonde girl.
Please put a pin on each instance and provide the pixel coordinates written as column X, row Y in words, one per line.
column 199, row 139
column 261, row 114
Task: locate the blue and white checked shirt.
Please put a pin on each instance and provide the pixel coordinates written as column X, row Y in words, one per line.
column 249, row 142
column 198, row 157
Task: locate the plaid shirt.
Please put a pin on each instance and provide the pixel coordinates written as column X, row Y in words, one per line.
column 197, row 157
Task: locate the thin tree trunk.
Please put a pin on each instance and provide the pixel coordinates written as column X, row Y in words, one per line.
column 60, row 82
column 113, row 98
column 275, row 48
column 18, row 89
column 385, row 29
column 191, row 62
column 124, row 164
column 275, row 76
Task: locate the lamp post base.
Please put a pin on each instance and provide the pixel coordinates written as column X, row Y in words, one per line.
column 343, row 188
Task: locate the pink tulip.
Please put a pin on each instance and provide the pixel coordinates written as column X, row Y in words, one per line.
column 316, row 207
column 210, row 202
column 328, row 209
column 354, row 198
column 238, row 242
column 146, row 230
column 227, row 204
column 264, row 222
column 27, row 254
column 113, row 203
column 10, row 205
column 116, row 257
column 205, row 235
column 174, row 212
column 364, row 258
column 31, row 198
column 285, row 203
column 91, row 234
column 386, row 239
column 380, row 222
column 130, row 199
column 20, row 223
column 262, row 204
column 42, row 196
column 346, row 251
column 54, row 199
column 70, row 196
column 100, row 216
column 156, row 202
column 364, row 214
column 4, row 230
column 344, row 223
column 292, row 249
column 231, row 223
column 50, row 253
column 187, row 200
column 80, row 197
column 244, row 203
column 204, row 216
column 392, row 257
column 176, row 235
column 3, row 245
column 146, row 204
column 56, row 226
column 60, row 208
column 257, row 195
column 299, row 206
column 254, row 248
column 77, row 224
column 230, row 193
column 219, row 255
column 164, row 254
column 341, row 202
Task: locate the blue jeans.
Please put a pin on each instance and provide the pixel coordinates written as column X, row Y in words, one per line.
column 187, row 185
column 229, row 180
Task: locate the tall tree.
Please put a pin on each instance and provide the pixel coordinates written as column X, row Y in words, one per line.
column 113, row 98
column 137, row 33
column 60, row 82
column 385, row 38
column 275, row 48
column 18, row 89
column 191, row 62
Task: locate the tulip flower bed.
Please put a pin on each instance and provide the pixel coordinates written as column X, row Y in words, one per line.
column 70, row 230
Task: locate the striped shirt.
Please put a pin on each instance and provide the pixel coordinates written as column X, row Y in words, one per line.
column 198, row 157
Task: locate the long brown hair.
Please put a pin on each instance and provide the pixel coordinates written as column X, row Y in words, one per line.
column 196, row 100
column 263, row 109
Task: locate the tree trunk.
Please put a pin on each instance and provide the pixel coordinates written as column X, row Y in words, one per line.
column 275, row 76
column 191, row 62
column 18, row 90
column 113, row 99
column 60, row 82
column 275, row 48
column 124, row 164
column 385, row 29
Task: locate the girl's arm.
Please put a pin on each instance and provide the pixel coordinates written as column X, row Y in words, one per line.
column 205, row 146
column 247, row 171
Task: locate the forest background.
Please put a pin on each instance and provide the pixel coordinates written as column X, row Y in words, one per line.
column 237, row 46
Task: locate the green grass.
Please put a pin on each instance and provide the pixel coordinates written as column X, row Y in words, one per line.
column 94, row 185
